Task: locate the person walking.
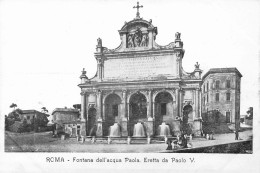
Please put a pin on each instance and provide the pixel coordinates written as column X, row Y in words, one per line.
column 236, row 135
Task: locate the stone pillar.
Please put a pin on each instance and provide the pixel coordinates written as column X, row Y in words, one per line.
column 99, row 104
column 150, row 127
column 154, row 109
column 177, row 102
column 150, row 120
column 104, row 110
column 197, row 103
column 124, row 116
column 83, row 106
column 83, row 114
column 150, row 41
column 124, row 42
column 200, row 104
column 99, row 131
column 180, row 102
column 149, row 110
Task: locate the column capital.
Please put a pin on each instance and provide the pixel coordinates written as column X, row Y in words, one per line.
column 98, row 91
column 83, row 93
column 198, row 89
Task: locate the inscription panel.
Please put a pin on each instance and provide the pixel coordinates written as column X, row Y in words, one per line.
column 140, row 67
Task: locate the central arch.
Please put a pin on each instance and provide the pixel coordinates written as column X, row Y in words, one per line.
column 137, row 110
column 112, row 110
column 163, row 109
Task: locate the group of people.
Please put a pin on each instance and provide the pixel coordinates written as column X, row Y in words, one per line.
column 181, row 142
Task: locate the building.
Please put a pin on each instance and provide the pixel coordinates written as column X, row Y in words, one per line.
column 30, row 115
column 221, row 95
column 140, row 81
column 66, row 120
column 143, row 82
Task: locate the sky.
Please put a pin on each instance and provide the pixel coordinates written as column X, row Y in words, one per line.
column 45, row 44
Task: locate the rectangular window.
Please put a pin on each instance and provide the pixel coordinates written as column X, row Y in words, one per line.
column 163, row 109
column 228, row 96
column 204, row 100
column 228, row 84
column 207, row 86
column 28, row 117
column 207, row 98
column 228, row 117
column 217, row 84
column 217, row 97
column 115, row 110
column 204, row 88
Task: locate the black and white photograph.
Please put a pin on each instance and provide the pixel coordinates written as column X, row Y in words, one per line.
column 96, row 84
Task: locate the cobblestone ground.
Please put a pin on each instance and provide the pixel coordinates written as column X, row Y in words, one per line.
column 43, row 142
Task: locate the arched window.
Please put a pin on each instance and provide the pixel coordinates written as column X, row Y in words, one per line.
column 228, row 84
column 217, row 97
column 217, row 84
column 228, row 96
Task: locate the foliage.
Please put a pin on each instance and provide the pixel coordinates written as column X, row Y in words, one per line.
column 13, row 105
column 44, row 110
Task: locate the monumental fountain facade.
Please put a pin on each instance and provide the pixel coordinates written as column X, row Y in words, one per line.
column 140, row 87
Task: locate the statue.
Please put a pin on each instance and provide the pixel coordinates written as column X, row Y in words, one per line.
column 144, row 41
column 197, row 65
column 177, row 36
column 99, row 42
column 130, row 41
column 84, row 71
column 136, row 40
column 137, row 37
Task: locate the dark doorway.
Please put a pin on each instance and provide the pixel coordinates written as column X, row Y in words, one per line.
column 92, row 122
column 227, row 117
column 138, row 110
column 186, row 111
column 163, row 108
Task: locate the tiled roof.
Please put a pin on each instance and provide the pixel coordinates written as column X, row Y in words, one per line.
column 222, row 70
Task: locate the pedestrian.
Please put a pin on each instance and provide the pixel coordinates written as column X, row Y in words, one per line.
column 236, row 135
column 169, row 147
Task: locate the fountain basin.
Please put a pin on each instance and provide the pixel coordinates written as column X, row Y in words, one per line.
column 114, row 131
column 139, row 130
column 164, row 130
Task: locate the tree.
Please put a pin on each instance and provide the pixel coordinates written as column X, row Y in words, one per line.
column 44, row 110
column 15, row 114
column 13, row 105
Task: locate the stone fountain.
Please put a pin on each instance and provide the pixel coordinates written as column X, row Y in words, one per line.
column 114, row 130
column 164, row 130
column 139, row 130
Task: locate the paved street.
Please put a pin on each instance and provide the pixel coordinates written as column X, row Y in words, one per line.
column 43, row 142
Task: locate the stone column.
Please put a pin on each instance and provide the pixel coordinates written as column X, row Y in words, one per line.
column 180, row 102
column 200, row 104
column 149, row 110
column 177, row 101
column 83, row 114
column 124, row 115
column 104, row 110
column 150, row 120
column 154, row 109
column 150, row 40
column 99, row 131
column 99, row 104
column 197, row 103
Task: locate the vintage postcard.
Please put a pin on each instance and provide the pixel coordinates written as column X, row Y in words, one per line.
column 145, row 85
